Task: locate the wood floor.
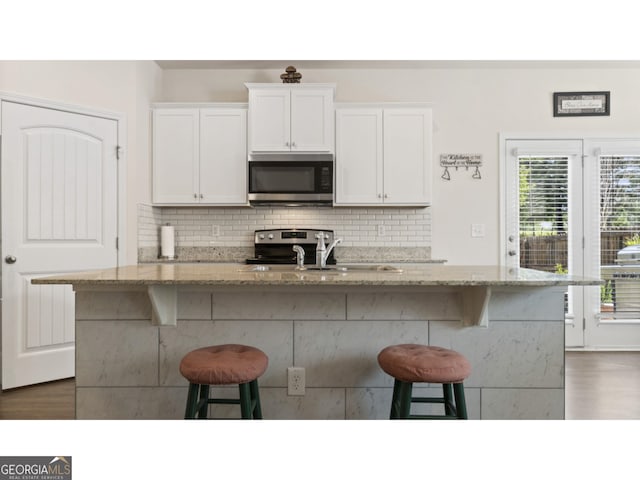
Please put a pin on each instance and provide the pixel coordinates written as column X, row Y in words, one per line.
column 47, row 401
column 602, row 385
column 599, row 385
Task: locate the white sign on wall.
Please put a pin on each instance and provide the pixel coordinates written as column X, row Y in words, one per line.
column 461, row 160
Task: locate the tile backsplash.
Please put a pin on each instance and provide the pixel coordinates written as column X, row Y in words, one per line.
column 200, row 227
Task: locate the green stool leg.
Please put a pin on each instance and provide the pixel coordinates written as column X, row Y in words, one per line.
column 255, row 396
column 461, row 406
column 395, row 401
column 204, row 398
column 192, row 401
column 245, row 400
column 405, row 399
column 448, row 399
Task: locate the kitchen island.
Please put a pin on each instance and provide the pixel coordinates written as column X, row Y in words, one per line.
column 134, row 324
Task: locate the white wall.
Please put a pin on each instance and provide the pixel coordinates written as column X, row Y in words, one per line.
column 123, row 87
column 472, row 106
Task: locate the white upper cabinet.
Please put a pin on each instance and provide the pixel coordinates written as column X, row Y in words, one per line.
column 199, row 155
column 175, row 155
column 223, row 156
column 285, row 117
column 383, row 156
column 359, row 171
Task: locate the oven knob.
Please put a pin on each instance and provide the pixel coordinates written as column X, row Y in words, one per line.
column 261, row 236
column 271, row 236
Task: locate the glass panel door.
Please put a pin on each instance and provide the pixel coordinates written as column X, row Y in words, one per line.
column 573, row 206
column 612, row 217
column 544, row 216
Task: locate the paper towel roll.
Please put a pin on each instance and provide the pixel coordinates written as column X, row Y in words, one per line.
column 167, row 241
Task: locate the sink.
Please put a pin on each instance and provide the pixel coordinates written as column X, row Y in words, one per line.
column 329, row 268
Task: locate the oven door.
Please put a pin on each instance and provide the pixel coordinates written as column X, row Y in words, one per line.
column 291, row 181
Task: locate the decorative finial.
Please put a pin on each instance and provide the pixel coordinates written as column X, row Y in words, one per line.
column 291, row 76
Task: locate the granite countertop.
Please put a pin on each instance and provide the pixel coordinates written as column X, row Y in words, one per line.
column 239, row 274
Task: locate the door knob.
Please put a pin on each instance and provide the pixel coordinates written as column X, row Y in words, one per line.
column 512, row 253
column 10, row 259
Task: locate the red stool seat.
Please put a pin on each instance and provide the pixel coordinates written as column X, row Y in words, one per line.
column 424, row 364
column 223, row 365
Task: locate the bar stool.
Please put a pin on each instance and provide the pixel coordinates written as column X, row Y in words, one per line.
column 411, row 363
column 223, row 365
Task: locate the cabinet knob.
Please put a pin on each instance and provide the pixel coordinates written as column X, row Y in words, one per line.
column 195, row 195
column 10, row 259
column 293, row 144
column 286, row 144
column 386, row 195
column 201, row 195
column 512, row 253
column 379, row 195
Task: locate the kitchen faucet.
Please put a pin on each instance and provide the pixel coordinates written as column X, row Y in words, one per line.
column 322, row 251
column 299, row 255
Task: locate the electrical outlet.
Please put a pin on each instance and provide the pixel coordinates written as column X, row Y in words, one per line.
column 381, row 230
column 295, row 380
column 477, row 230
column 215, row 230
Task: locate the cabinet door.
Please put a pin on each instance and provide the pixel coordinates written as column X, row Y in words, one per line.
column 358, row 156
column 223, row 156
column 407, row 156
column 175, row 155
column 269, row 120
column 312, row 119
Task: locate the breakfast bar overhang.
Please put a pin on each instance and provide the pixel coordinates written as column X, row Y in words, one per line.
column 134, row 324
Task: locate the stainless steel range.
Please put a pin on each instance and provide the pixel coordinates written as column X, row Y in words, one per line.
column 277, row 246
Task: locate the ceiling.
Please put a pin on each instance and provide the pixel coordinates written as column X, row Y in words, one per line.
column 396, row 64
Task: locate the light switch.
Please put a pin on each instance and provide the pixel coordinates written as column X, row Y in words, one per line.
column 477, row 230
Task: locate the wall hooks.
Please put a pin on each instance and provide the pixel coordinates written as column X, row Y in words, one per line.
column 458, row 160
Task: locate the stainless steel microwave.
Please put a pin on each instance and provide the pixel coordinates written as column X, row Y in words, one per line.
column 291, row 179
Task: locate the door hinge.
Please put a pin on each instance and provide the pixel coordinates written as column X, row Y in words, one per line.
column 118, row 152
column 117, row 243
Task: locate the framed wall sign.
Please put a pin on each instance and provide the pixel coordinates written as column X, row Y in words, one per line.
column 580, row 104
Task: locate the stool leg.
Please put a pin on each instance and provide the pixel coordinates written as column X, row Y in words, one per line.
column 448, row 399
column 395, row 401
column 204, row 398
column 255, row 396
column 245, row 400
column 461, row 406
column 192, row 401
column 404, row 399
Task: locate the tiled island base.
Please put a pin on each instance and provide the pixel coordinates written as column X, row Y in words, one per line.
column 127, row 368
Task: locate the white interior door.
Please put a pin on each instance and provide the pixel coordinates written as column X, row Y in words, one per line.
column 59, row 214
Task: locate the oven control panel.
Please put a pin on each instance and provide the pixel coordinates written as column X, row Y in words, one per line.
column 293, row 236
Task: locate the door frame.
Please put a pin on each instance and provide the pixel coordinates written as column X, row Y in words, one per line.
column 120, row 118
